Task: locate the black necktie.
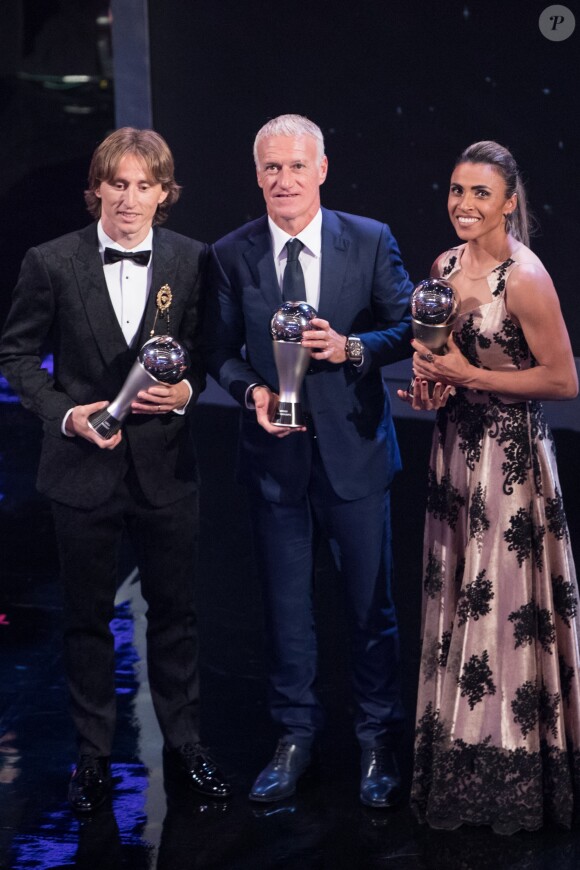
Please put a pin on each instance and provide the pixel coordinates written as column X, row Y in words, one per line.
column 293, row 287
column 141, row 258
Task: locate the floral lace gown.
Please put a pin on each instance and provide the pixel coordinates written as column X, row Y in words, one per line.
column 498, row 716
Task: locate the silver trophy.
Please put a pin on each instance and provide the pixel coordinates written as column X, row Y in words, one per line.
column 286, row 328
column 161, row 360
column 434, row 310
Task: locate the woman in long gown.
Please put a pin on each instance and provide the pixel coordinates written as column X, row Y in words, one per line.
column 498, row 716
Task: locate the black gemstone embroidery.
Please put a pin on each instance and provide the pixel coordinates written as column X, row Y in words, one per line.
column 531, row 622
column 565, row 600
column 478, row 521
column 531, row 706
column 474, row 599
column 546, row 629
column 525, row 707
column 449, row 267
column 517, row 427
column 524, row 620
column 501, row 270
column 566, row 677
column 433, row 581
column 471, row 425
column 524, row 538
column 443, row 500
column 556, row 517
column 513, row 342
column 482, row 784
column 443, row 647
column 476, row 679
column 549, row 713
column 469, row 338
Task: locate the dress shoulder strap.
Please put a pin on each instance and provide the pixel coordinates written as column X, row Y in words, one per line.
column 450, row 262
column 498, row 277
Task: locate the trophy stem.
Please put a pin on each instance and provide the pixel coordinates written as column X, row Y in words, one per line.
column 291, row 361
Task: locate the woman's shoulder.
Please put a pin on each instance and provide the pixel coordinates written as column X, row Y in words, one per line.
column 530, row 267
column 529, row 280
column 447, row 262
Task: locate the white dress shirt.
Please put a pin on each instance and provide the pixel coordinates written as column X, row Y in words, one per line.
column 309, row 257
column 128, row 283
column 310, row 260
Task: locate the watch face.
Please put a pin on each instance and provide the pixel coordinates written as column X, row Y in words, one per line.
column 354, row 348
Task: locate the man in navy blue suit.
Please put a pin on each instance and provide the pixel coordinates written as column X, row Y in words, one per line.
column 331, row 476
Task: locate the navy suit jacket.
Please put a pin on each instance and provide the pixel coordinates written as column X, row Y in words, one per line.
column 62, row 304
column 364, row 289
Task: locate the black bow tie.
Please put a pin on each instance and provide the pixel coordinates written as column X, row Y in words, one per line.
column 141, row 258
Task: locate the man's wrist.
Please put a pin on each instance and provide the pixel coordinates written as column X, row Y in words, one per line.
column 182, row 408
column 249, row 397
column 67, row 426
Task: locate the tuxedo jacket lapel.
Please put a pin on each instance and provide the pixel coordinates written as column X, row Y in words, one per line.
column 163, row 272
column 92, row 287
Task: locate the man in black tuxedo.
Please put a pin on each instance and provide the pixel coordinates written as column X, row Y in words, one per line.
column 94, row 297
column 334, row 474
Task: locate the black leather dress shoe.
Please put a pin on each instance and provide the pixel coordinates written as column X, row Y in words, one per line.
column 278, row 780
column 191, row 767
column 380, row 784
column 90, row 784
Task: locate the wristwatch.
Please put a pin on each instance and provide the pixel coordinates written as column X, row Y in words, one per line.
column 354, row 350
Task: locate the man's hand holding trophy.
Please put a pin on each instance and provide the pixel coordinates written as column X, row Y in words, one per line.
column 287, row 326
column 161, row 360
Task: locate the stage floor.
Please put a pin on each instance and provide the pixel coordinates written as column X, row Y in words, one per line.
column 324, row 827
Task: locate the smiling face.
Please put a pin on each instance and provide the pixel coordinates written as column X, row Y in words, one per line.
column 290, row 173
column 477, row 202
column 129, row 201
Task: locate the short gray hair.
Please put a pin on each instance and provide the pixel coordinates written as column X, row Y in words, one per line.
column 290, row 125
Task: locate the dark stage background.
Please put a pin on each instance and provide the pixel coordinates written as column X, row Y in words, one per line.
column 399, row 88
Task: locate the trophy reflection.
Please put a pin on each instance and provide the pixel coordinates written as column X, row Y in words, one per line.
column 161, row 360
column 434, row 310
column 292, row 360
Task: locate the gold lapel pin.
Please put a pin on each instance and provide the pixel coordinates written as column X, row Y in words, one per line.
column 163, row 301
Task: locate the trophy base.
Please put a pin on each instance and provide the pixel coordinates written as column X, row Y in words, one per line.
column 104, row 424
column 289, row 415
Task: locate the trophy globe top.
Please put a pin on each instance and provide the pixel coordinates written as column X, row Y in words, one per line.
column 434, row 302
column 164, row 358
column 291, row 320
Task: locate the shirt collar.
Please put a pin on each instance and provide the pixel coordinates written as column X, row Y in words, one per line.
column 310, row 236
column 106, row 242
